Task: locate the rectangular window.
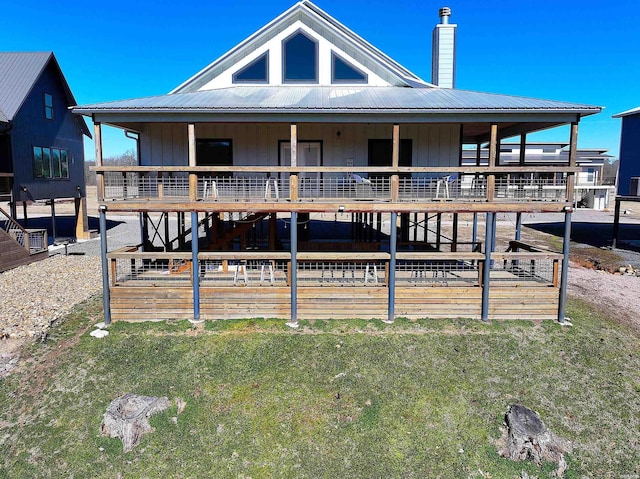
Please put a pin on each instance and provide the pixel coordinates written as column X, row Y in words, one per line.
column 215, row 152
column 48, row 106
column 381, row 154
column 50, row 163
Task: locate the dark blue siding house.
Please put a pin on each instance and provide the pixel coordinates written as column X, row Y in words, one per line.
column 629, row 170
column 629, row 174
column 41, row 141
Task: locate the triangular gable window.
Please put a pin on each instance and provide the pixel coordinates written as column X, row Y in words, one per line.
column 299, row 59
column 255, row 72
column 344, row 72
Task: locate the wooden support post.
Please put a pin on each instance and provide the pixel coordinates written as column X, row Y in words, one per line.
column 395, row 188
column 555, row 273
column 493, row 153
column 193, row 177
column 474, row 231
column 168, row 246
column 97, row 137
column 24, row 213
column 518, row 225
column 293, row 187
column 113, row 271
column 145, row 231
column 404, row 227
column 82, row 220
column 395, row 161
column 438, row 231
column 573, row 157
column 523, row 149
column 379, row 227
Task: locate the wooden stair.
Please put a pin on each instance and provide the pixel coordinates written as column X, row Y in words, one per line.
column 241, row 228
column 13, row 254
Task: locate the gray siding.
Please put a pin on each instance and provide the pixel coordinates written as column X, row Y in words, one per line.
column 257, row 144
column 629, row 153
column 30, row 129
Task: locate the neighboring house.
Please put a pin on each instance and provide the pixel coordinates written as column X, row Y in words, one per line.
column 41, row 140
column 303, row 125
column 629, row 169
column 592, row 190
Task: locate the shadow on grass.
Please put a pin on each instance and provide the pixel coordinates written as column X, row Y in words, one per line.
column 591, row 233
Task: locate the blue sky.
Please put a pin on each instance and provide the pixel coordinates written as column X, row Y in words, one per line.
column 583, row 51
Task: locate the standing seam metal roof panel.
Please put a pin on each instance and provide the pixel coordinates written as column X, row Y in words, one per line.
column 18, row 73
column 315, row 98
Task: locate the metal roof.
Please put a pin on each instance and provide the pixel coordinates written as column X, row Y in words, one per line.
column 633, row 111
column 18, row 73
column 319, row 99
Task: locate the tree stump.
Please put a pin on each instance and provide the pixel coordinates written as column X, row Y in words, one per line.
column 127, row 418
column 527, row 438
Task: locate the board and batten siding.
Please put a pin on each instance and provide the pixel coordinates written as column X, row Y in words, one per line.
column 629, row 154
column 30, row 128
column 165, row 144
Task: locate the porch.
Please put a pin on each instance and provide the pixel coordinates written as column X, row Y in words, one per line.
column 334, row 285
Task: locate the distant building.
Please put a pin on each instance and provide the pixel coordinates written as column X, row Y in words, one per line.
column 41, row 141
column 593, row 190
column 629, row 173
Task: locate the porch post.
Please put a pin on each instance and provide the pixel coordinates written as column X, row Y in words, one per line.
column 523, row 148
column 293, row 177
column 97, row 136
column 565, row 266
column 395, row 162
column 393, row 244
column 106, row 296
column 573, row 155
column 487, row 267
column 195, row 267
column 493, row 154
column 294, row 270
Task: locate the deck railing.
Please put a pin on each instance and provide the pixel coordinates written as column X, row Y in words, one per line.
column 130, row 267
column 403, row 184
column 33, row 240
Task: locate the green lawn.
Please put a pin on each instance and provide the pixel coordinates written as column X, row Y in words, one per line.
column 336, row 399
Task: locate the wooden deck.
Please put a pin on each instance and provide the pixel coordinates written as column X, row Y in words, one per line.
column 145, row 303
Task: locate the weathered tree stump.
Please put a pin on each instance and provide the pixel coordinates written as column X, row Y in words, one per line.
column 127, row 418
column 527, row 438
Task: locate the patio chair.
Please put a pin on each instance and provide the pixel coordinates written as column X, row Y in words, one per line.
column 444, row 182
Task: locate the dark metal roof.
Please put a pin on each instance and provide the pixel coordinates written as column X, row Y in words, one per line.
column 319, row 99
column 18, row 73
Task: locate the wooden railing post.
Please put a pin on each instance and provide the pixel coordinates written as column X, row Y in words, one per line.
column 493, row 154
column 193, row 177
column 293, row 187
column 395, row 162
column 573, row 155
column 97, row 135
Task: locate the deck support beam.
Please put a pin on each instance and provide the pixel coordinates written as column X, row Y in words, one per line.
column 486, row 271
column 562, row 303
column 474, row 231
column 393, row 246
column 294, row 270
column 53, row 219
column 195, row 267
column 106, row 296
